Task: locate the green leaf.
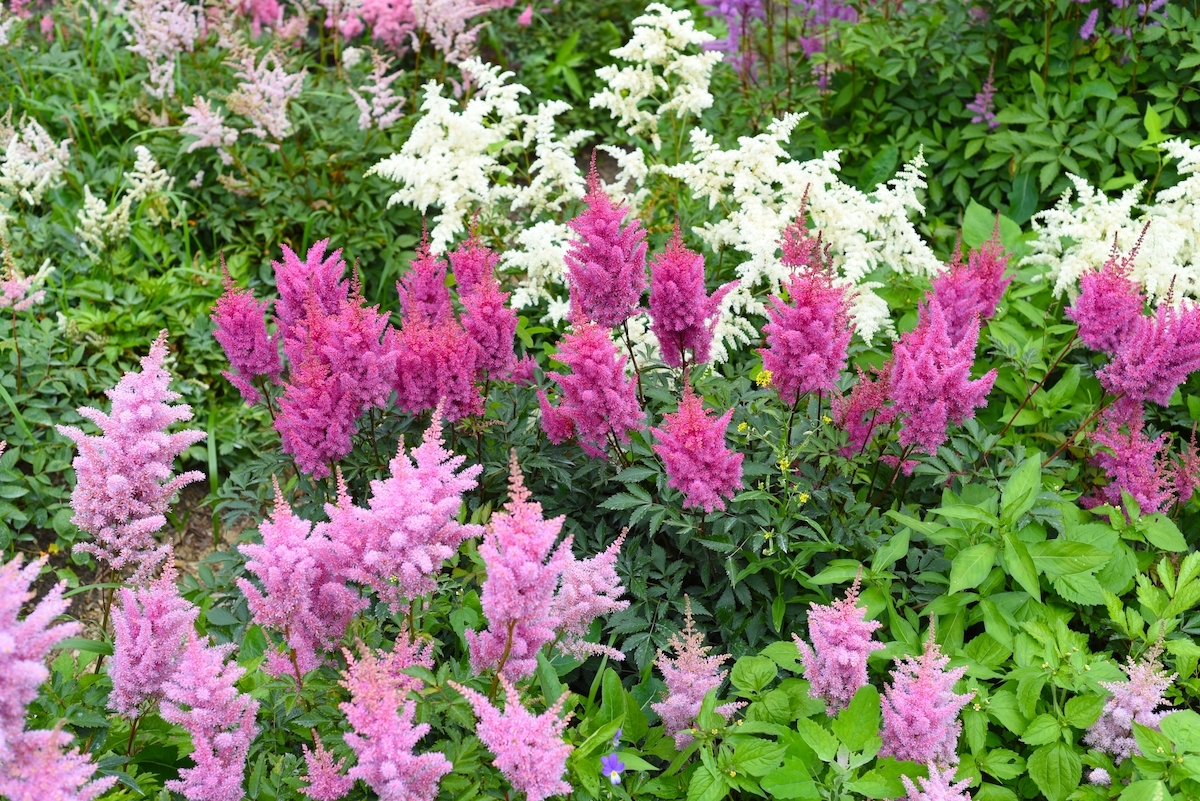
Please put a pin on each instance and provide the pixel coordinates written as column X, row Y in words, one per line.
column 1042, row 730
column 1153, row 123
column 964, row 512
column 90, row 646
column 979, row 222
column 1146, row 791
column 790, row 782
column 1056, row 769
column 881, row 167
column 1084, row 710
column 818, row 739
column 1022, row 198
column 1183, row 728
column 971, row 567
column 1020, row 566
column 1021, row 490
column 1002, row 763
column 753, row 674
column 1162, row 532
column 783, row 653
column 890, row 552
column 707, row 785
column 858, row 724
column 1062, row 557
column 1099, row 88
column 756, row 756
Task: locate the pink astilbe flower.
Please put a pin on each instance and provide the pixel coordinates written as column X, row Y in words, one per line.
column 384, row 734
column 525, row 19
column 689, row 675
column 864, row 410
column 523, row 570
column 799, row 249
column 920, row 708
column 529, row 748
column 930, row 382
column 606, row 265
column 492, row 325
column 682, row 314
column 423, row 291
column 1133, row 701
column 316, row 417
column 984, row 104
column 472, row 262
column 161, row 29
column 692, row 446
column 842, row 639
column 1137, row 464
column 208, row 126
column 202, row 697
column 18, row 291
column 326, row 777
column 1110, row 304
column 590, row 588
column 972, row 290
column 123, row 476
column 1088, row 29
column 445, row 23
column 1159, row 354
column 42, row 769
column 316, row 275
column 392, row 22
column 262, row 13
column 1187, row 471
column 557, row 423
column 808, row 336
column 151, row 628
column 384, row 109
column 940, row 786
column 436, row 365
column 597, row 397
column 264, row 91
column 241, row 330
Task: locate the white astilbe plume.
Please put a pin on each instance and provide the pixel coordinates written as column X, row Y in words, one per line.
column 148, row 182
column 7, row 23
column 161, row 30
column 32, row 163
column 383, row 109
column 661, row 73
column 208, row 126
column 100, row 226
column 263, row 94
column 538, row 255
column 1076, row 236
column 555, row 175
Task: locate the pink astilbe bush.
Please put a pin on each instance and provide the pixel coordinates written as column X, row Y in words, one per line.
column 842, row 639
column 384, row 109
column 326, row 777
column 124, row 480
column 972, row 290
column 865, row 409
column 523, row 570
column 316, row 419
column 682, row 313
column 241, row 330
column 940, row 786
column 529, row 748
column 698, row 463
column 472, row 263
column 423, row 291
column 1159, row 354
column 1133, row 701
column 689, row 675
column 1136, row 464
column 42, row 769
column 492, row 326
column 920, row 708
column 316, row 274
column 1110, row 305
column 160, row 31
column 590, row 588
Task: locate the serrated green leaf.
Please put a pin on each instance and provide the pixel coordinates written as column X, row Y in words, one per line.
column 1056, row 770
column 858, row 723
column 971, row 567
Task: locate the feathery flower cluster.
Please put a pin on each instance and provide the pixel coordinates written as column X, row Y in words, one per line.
column 1160, row 353
column 1133, row 701
column 529, row 749
column 123, row 476
column 445, row 24
column 940, row 786
column 99, row 226
column 17, row 291
column 1109, row 306
column 490, row 323
column 682, row 313
column 263, row 94
column 325, row 777
column 436, row 366
column 984, row 104
column 689, row 675
column 1137, row 463
column 920, row 708
column 147, row 184
column 241, row 329
column 842, row 639
column 698, row 463
column 590, row 588
column 737, row 15
column 423, row 292
column 971, row 291
column 208, row 126
column 864, row 410
column 31, row 163
column 161, row 30
column 383, row 110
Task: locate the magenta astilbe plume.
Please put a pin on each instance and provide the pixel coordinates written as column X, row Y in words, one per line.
column 317, row 414
column 689, row 675
column 423, row 291
column 590, row 588
column 124, row 481
column 529, row 748
column 807, row 337
column 326, row 777
column 606, row 265
column 42, row 769
column 353, row 342
column 492, row 325
column 930, row 382
column 920, row 708
column 600, row 401
column 971, row 291
column 1109, row 307
column 692, row 446
column 202, row 697
column 940, row 786
column 436, row 365
column 682, row 314
column 1187, row 471
column 842, row 639
column 316, row 275
column 865, row 409
column 472, row 262
column 1158, row 356
column 523, row 570
column 1133, row 701
column 1137, row 464
column 241, row 329
column 151, row 627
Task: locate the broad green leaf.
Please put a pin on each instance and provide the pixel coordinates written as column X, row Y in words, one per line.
column 970, row 567
column 1062, row 557
column 1083, row 710
column 783, row 653
column 1020, row 566
column 1162, row 532
column 880, row 168
column 1056, row 769
column 1002, row 763
column 1021, row 490
column 1146, row 791
column 971, row 513
column 1183, row 728
column 791, row 781
column 1042, row 730
column 858, row 723
column 707, row 785
column 818, row 738
column 89, row 646
column 756, row 756
column 979, row 222
column 753, row 674
column 890, row 552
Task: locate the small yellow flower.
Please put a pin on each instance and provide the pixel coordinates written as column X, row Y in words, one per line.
column 784, row 463
column 714, row 731
column 1087, row 667
column 734, row 772
column 826, row 419
column 743, row 427
column 804, row 497
column 978, row 707
column 763, row 379
column 53, row 548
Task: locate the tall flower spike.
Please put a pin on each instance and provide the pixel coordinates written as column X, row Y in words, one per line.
column 325, row 776
column 123, row 476
column 423, row 292
column 436, row 365
column 529, row 748
column 1133, row 701
column 590, row 588
column 692, row 447
column 1159, row 355
column 241, row 329
column 1138, row 465
column 472, row 262
column 682, row 314
column 317, row 275
column 842, row 639
column 43, row 769
column 606, row 265
column 317, row 413
column 984, row 104
column 920, row 708
column 939, row 786
column 1110, row 305
column 972, row 290
column 492, row 325
column 864, row 410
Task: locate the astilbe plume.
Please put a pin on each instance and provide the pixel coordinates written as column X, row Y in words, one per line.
column 983, row 106
column 689, row 675
column 842, row 639
column 219, row 718
column 1133, row 701
column 151, row 628
column 523, row 570
column 1109, row 306
column 492, row 326
column 392, row 22
column 1159, row 354
column 208, row 126
column 317, row 413
column 698, row 463
column 325, row 776
column 930, row 382
column 972, row 290
column 939, row 786
column 606, row 265
column 1137, row 464
column 529, row 748
column 865, row 409
column 472, row 262
column 264, row 89
column 1187, row 470
column 436, row 366
column 316, row 275
column 241, row 330
column 598, row 399
column 590, row 588
column 920, row 708
column 384, row 108
column 123, row 476
column 423, row 292
column 807, row 337
column 682, row 314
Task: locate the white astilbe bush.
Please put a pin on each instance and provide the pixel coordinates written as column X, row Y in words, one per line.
column 161, row 29
column 99, row 226
column 1077, row 235
column 147, row 183
column 32, row 163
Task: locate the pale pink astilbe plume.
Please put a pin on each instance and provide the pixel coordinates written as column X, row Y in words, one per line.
column 842, row 639
column 698, row 463
column 208, row 126
column 151, row 627
column 316, row 274
column 1158, row 355
column 920, row 708
column 1110, row 305
column 492, row 326
column 473, row 262
column 1100, row 777
column 523, row 571
column 689, row 675
column 526, row 17
column 326, row 777
column 264, row 91
column 807, row 337
column 423, row 291
column 161, row 29
column 383, row 110
column 42, row 769
column 316, row 417
column 529, row 748
column 984, row 104
column 384, row 733
column 598, row 398
column 1133, row 701
column 201, row 696
column 865, row 409
column 799, row 249
column 972, row 290
column 590, row 588
column 940, row 786
column 557, row 423
column 1137, row 464
column 18, row 291
column 124, row 480
column 930, row 382
column 682, row 314
column 606, row 264
column 392, row 22
column 436, row 365
column 1088, row 29
column 241, row 329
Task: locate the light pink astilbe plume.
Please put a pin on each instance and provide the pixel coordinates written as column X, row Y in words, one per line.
column 202, row 697
column 920, row 708
column 590, row 588
column 799, row 249
column 689, row 675
column 523, row 570
column 264, row 91
column 1187, row 471
column 807, row 337
column 682, row 314
column 606, row 265
column 984, row 104
column 842, row 639
column 208, row 126
column 529, row 748
column 939, row 786
column 151, row 628
column 17, row 291
column 1137, row 464
column 326, row 777
column 492, row 326
column 865, row 409
column 598, row 399
column 1088, row 29
column 698, row 463
column 262, row 13
column 1133, row 701
column 1110, row 305
column 123, row 476
column 315, row 274
column 445, row 23
column 161, row 30
column 436, row 365
column 972, row 290
column 241, row 330
column 392, row 22
column 1159, row 354
column 423, row 291
column 42, row 769
column 384, row 108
